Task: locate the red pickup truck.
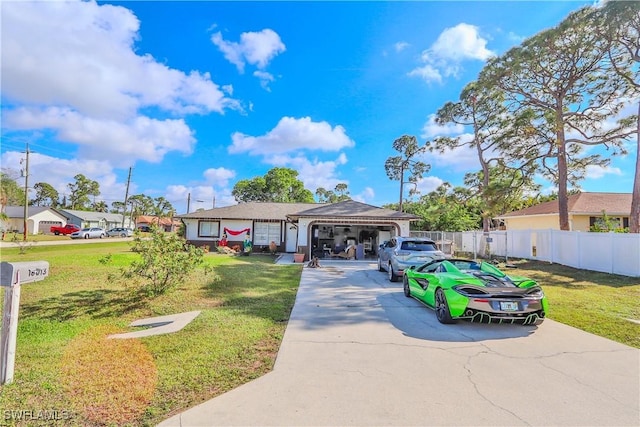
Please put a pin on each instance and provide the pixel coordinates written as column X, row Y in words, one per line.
column 67, row 229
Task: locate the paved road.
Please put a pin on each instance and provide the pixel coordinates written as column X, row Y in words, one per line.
column 357, row 352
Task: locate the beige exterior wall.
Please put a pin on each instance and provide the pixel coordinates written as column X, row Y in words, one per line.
column 545, row 222
column 540, row 222
column 579, row 222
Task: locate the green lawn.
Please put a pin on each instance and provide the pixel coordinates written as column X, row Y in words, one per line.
column 64, row 362
column 600, row 303
column 245, row 305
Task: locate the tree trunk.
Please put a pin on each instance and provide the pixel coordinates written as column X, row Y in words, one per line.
column 563, row 202
column 634, row 219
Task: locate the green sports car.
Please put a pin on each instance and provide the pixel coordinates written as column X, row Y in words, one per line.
column 475, row 291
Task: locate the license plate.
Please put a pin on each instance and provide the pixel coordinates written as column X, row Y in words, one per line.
column 508, row 305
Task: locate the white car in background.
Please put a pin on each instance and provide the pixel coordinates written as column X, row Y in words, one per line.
column 120, row 232
column 89, row 233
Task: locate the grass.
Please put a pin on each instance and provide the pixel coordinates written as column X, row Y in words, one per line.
column 65, row 363
column 64, row 321
column 600, row 303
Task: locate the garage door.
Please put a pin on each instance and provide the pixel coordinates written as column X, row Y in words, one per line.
column 45, row 226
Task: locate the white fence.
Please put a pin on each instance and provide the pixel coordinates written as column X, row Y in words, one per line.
column 617, row 253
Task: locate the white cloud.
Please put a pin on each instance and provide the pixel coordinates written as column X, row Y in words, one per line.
column 367, row 194
column 60, row 172
column 427, row 72
column 428, row 184
column 256, row 48
column 90, row 63
column 461, row 159
column 265, row 78
column 400, row 46
column 459, row 43
column 597, row 172
column 431, row 128
column 218, row 177
column 120, row 142
column 291, row 134
column 453, row 46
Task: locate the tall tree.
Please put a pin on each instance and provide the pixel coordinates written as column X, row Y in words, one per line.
column 163, row 208
column 81, row 190
column 481, row 107
column 278, row 185
column 560, row 74
column 141, row 204
column 504, row 192
column 338, row 194
column 447, row 209
column 11, row 194
column 46, row 195
column 619, row 23
column 396, row 166
column 100, row 206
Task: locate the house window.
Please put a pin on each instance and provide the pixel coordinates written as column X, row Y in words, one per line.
column 266, row 232
column 209, row 229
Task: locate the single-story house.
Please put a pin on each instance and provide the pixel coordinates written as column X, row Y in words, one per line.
column 84, row 219
column 585, row 209
column 39, row 219
column 309, row 228
column 167, row 224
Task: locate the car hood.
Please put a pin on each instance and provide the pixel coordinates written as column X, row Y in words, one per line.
column 487, row 276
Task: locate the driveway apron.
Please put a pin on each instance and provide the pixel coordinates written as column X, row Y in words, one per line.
column 357, row 352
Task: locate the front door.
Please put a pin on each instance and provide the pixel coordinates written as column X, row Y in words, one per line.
column 291, row 238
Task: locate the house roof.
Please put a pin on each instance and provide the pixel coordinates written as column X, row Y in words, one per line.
column 150, row 219
column 251, row 210
column 582, row 204
column 353, row 209
column 18, row 211
column 349, row 209
column 93, row 216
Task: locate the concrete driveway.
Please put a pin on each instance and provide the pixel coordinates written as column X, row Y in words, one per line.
column 356, row 352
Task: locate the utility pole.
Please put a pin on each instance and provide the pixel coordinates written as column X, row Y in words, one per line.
column 126, row 197
column 188, row 201
column 26, row 192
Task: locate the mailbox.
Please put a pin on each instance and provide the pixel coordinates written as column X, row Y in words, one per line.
column 13, row 273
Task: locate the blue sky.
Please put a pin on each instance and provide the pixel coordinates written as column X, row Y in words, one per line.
column 198, row 95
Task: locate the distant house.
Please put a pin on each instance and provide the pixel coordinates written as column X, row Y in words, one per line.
column 585, row 209
column 39, row 220
column 85, row 219
column 298, row 227
column 167, row 224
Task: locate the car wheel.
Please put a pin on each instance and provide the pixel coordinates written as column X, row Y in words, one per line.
column 380, row 265
column 392, row 275
column 123, row 235
column 101, row 236
column 86, row 236
column 405, row 286
column 57, row 233
column 442, row 308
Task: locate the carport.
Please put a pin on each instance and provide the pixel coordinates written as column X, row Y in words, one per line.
column 337, row 225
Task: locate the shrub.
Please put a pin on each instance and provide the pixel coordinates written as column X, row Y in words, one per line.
column 165, row 261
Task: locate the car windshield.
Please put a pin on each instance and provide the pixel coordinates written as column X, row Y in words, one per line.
column 418, row 246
